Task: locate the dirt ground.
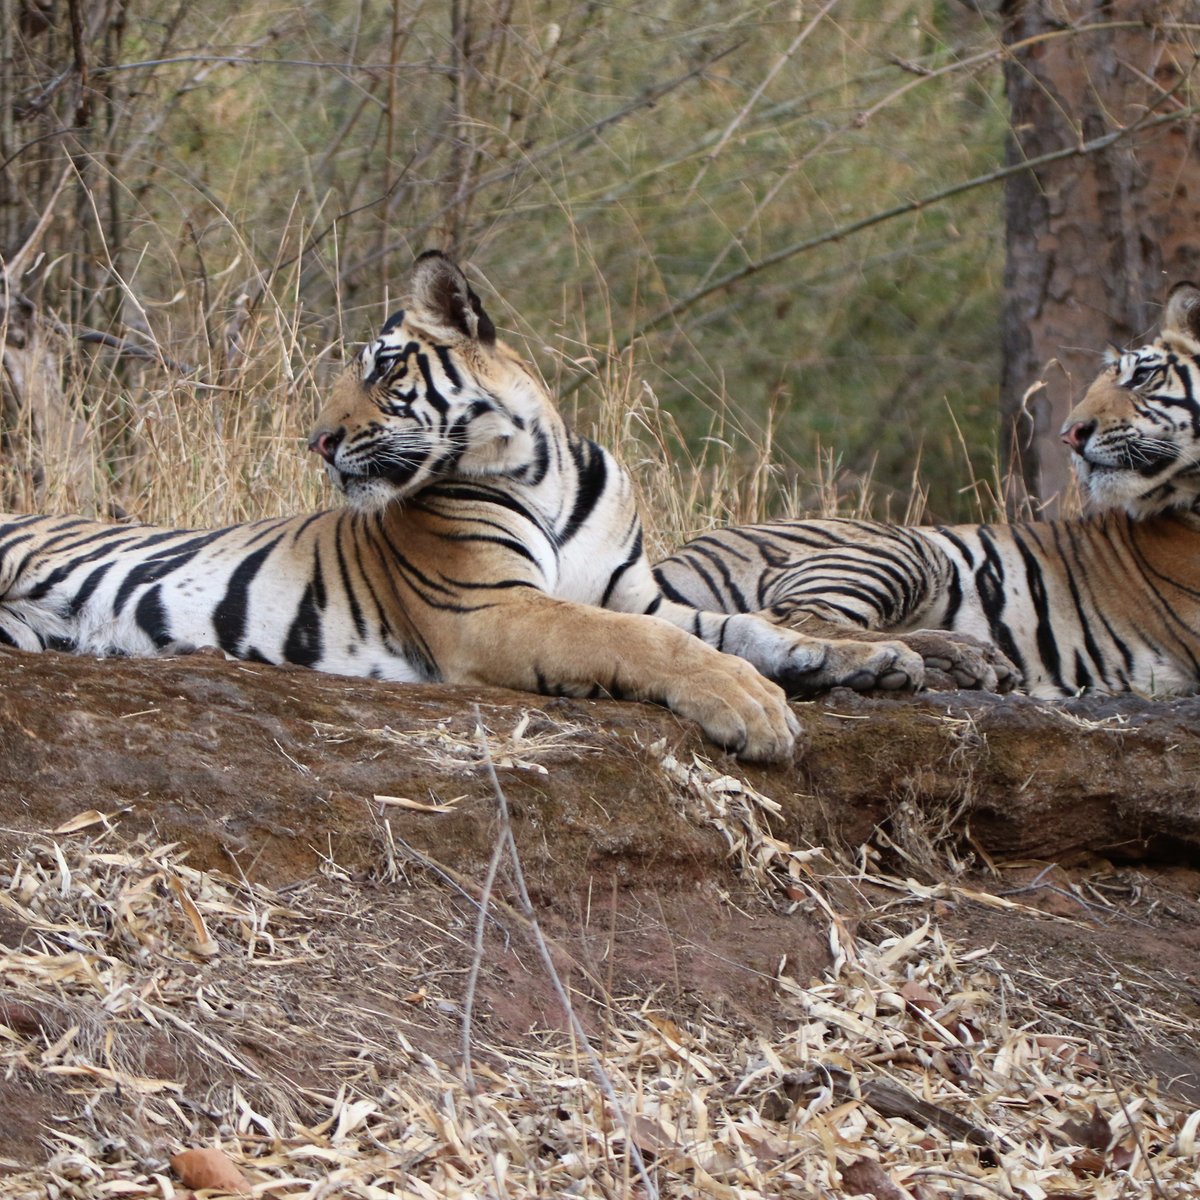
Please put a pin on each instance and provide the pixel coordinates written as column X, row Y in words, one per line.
column 1059, row 841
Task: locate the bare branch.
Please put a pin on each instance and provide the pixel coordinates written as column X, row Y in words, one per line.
column 841, row 232
column 19, row 263
column 123, row 346
column 240, row 60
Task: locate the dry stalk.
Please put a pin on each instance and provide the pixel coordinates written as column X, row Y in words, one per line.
column 505, row 837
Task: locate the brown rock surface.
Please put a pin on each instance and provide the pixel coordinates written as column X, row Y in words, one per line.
column 276, row 769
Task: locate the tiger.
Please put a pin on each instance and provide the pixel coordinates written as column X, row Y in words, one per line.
column 1105, row 603
column 481, row 542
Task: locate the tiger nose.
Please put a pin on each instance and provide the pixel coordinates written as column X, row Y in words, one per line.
column 325, row 442
column 1077, row 433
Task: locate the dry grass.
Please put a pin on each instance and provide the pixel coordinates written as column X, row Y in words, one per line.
column 155, row 995
column 247, row 215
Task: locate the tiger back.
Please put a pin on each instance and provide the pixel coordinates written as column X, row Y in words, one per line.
column 1109, row 602
column 482, row 543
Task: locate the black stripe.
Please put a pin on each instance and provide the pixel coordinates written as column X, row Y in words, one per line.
column 89, row 585
column 154, row 569
column 105, row 537
column 304, row 644
column 733, row 600
column 151, row 616
column 448, row 366
column 954, row 596
column 591, row 479
column 635, row 556
column 356, row 613
column 229, row 617
column 1047, row 643
column 435, row 398
column 670, row 592
column 989, row 585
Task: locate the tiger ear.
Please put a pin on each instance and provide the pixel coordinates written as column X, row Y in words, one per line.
column 1182, row 315
column 443, row 302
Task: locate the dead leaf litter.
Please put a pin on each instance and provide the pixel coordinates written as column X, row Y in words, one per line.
column 157, row 1004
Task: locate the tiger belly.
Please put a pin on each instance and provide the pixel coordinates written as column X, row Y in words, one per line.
column 258, row 592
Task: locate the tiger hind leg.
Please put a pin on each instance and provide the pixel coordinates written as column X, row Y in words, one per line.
column 18, row 634
column 952, row 659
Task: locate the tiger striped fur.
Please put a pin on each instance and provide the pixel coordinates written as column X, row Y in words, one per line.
column 482, row 543
column 1106, row 603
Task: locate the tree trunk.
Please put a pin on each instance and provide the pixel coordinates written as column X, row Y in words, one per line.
column 1094, row 241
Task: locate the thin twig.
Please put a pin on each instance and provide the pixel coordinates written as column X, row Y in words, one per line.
column 485, row 897
column 96, row 337
column 238, row 60
column 449, row 876
column 577, row 139
column 526, row 907
column 1155, row 1182
column 16, row 266
column 756, row 96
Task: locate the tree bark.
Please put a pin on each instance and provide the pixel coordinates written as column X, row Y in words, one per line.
column 1094, row 242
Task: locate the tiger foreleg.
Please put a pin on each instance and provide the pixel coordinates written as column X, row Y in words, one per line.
column 539, row 644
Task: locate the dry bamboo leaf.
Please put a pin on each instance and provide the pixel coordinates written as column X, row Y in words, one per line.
column 713, row 1105
column 209, row 1168
column 205, row 944
column 82, row 821
column 417, row 805
column 1185, row 1144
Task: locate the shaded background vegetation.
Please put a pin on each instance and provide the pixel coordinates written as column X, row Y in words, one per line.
column 239, row 189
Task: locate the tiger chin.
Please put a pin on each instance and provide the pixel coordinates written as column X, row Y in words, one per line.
column 1107, row 603
column 482, row 543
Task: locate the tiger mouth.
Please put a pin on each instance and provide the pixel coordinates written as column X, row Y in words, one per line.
column 397, row 473
column 1133, row 462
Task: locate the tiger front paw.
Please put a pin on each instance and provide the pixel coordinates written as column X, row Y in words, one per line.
column 866, row 666
column 805, row 666
column 739, row 710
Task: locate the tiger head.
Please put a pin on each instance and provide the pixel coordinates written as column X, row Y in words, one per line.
column 434, row 395
column 1136, row 432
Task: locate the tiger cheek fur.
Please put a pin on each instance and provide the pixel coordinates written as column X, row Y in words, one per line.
column 1135, row 435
